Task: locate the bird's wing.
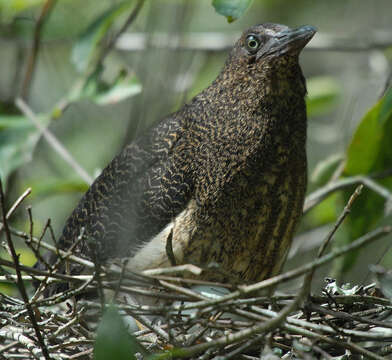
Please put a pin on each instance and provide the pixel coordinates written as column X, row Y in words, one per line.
column 136, row 195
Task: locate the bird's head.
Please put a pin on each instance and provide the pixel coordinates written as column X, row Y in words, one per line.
column 266, row 56
column 268, row 44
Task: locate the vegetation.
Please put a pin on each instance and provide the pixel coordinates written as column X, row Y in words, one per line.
column 74, row 83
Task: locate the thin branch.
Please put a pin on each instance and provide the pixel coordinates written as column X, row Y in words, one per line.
column 317, row 196
column 268, row 283
column 53, row 141
column 16, row 204
column 132, row 17
column 217, row 41
column 19, row 281
column 32, row 59
column 339, row 221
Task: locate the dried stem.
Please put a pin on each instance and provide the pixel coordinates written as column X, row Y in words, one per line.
column 19, row 281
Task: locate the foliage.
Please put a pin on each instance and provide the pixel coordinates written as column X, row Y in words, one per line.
column 370, row 152
column 113, row 338
column 232, row 9
column 86, row 46
column 18, row 138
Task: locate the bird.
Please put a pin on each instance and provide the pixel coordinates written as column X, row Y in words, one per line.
column 224, row 177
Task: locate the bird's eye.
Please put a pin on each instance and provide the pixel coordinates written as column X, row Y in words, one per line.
column 252, row 43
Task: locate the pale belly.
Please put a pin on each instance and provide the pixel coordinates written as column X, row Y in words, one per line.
column 247, row 240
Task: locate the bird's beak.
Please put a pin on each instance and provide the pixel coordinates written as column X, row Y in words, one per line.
column 288, row 41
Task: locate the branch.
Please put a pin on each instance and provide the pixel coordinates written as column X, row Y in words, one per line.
column 53, row 141
column 132, row 17
column 343, row 215
column 317, row 196
column 32, row 59
column 19, row 281
column 216, row 41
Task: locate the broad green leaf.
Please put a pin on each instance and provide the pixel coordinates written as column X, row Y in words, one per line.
column 18, row 137
column 371, row 146
column 369, row 151
column 232, row 9
column 365, row 145
column 83, row 51
column 323, row 95
column 113, row 339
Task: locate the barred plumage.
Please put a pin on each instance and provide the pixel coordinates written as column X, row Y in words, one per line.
column 226, row 174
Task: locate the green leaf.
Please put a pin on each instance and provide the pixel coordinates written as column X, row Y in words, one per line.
column 323, row 95
column 46, row 187
column 386, row 107
column 18, row 138
column 322, row 214
column 85, row 47
column 123, row 88
column 10, row 8
column 232, row 9
column 102, row 93
column 365, row 144
column 113, row 339
column 371, row 146
column 370, row 151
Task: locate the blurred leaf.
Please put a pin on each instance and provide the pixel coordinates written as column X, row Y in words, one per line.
column 365, row 145
column 369, row 151
column 27, row 257
column 102, row 93
column 232, row 9
column 85, row 47
column 325, row 169
column 122, row 89
column 323, row 93
column 386, row 107
column 10, row 8
column 322, row 214
column 18, row 137
column 47, row 187
column 113, row 339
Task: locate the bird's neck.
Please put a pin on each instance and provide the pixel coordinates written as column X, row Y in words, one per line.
column 257, row 101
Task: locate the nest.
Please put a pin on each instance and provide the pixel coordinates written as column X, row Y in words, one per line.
column 171, row 316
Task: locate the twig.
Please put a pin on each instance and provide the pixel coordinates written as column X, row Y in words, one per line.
column 362, row 241
column 32, row 59
column 339, row 221
column 127, row 23
column 19, row 282
column 53, row 141
column 15, row 205
column 217, row 41
column 240, row 335
column 347, row 316
column 42, row 273
column 187, row 268
column 317, row 196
